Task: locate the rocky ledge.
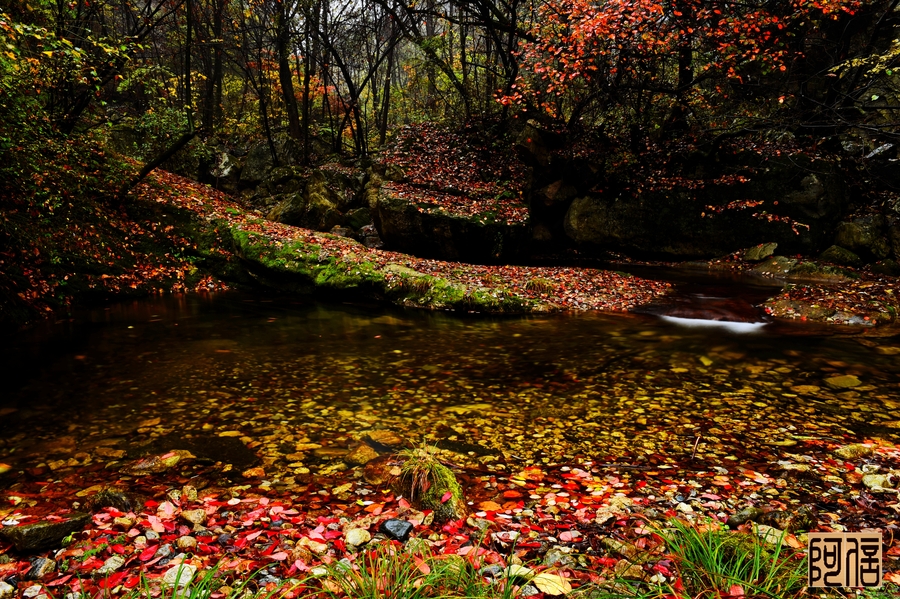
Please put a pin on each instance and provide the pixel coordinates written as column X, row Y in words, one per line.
column 240, row 247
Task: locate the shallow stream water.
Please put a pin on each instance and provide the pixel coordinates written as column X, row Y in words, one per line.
column 501, row 392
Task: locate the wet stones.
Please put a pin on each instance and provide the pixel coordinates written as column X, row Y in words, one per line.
column 29, row 538
column 846, row 381
column 186, row 543
column 361, row 456
column 196, row 517
column 40, row 567
column 396, row 529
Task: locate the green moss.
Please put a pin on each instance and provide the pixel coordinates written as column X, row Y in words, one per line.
column 430, row 485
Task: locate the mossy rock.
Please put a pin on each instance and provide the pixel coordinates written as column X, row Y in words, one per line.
column 430, row 485
column 40, row 536
column 838, row 255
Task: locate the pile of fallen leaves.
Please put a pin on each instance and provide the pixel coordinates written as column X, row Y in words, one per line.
column 577, row 525
column 462, row 173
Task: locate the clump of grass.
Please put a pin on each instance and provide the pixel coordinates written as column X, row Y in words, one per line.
column 712, row 560
column 540, row 285
column 389, row 571
column 429, row 484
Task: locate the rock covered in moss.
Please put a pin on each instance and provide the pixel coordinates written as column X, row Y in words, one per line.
column 430, row 485
column 839, row 255
column 39, row 536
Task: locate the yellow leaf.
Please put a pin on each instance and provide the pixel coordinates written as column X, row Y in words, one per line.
column 551, row 584
column 48, row 52
column 517, row 571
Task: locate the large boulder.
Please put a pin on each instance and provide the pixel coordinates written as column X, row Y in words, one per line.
column 864, row 236
column 429, row 231
column 304, row 210
column 678, row 223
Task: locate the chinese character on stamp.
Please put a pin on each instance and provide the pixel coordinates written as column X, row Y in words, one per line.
column 845, row 559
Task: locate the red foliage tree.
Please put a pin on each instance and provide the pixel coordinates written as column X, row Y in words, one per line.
column 669, row 63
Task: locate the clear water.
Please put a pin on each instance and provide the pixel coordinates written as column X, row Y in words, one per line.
column 551, row 389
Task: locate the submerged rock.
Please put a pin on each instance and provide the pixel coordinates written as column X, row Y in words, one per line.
column 39, row 536
column 745, row 515
column 361, row 456
column 846, row 381
column 115, row 499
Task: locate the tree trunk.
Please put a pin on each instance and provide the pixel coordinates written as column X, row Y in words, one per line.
column 285, row 77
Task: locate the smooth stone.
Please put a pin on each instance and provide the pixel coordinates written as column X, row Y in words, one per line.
column 179, row 576
column 357, row 537
column 843, row 382
column 198, row 517
column 111, row 565
column 186, row 543
column 7, row 591
column 33, row 591
column 396, row 529
column 30, row 538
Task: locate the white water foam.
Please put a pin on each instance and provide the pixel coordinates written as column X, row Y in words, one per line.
column 730, row 326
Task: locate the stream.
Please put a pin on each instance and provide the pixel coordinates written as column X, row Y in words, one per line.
column 639, row 388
